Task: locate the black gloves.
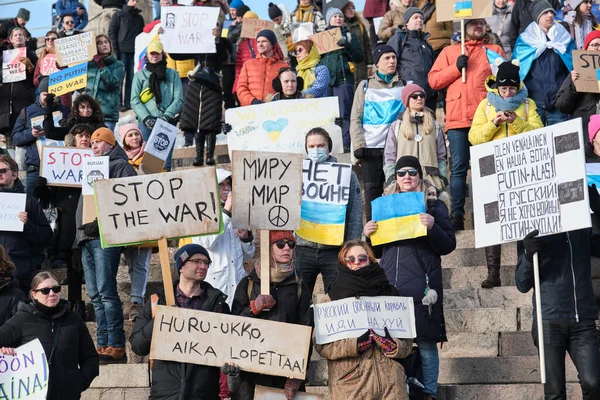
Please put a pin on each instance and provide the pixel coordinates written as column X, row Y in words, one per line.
column 41, row 190
column 256, row 101
column 91, row 229
column 225, row 127
column 40, row 181
column 532, row 245
column 167, row 119
column 343, row 42
column 149, row 122
column 461, row 62
column 50, row 103
column 233, row 376
column 359, row 153
column 594, row 200
column 340, row 122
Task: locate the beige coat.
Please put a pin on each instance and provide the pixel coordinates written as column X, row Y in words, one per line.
column 391, row 20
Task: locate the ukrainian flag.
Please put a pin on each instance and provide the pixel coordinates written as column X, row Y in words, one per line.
column 322, row 222
column 397, row 217
column 463, row 9
column 598, row 78
column 68, row 80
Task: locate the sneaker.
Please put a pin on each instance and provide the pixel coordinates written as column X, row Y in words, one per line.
column 113, row 355
column 132, row 310
column 458, row 222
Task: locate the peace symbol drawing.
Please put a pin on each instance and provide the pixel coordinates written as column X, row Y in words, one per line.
column 279, row 216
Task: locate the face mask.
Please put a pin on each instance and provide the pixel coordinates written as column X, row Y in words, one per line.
column 318, row 154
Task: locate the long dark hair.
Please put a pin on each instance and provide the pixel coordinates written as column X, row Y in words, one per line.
column 580, row 17
column 97, row 114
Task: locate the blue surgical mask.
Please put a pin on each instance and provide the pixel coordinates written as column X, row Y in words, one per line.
column 318, row 154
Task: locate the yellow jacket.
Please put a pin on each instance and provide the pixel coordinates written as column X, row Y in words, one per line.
column 182, row 67
column 483, row 129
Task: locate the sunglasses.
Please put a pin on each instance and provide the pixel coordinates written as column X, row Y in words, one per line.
column 281, row 244
column 46, row 291
column 68, row 23
column 415, row 96
column 4, row 170
column 411, row 172
column 50, row 39
column 362, row 258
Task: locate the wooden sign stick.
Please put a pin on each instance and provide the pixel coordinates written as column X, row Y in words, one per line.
column 538, row 315
column 462, row 44
column 165, row 267
column 265, row 261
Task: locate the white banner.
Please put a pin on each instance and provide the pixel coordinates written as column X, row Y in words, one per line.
column 25, row 375
column 11, row 204
column 161, row 139
column 351, row 317
column 93, row 169
column 188, row 29
column 13, row 70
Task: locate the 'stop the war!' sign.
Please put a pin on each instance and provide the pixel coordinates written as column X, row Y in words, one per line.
column 535, row 180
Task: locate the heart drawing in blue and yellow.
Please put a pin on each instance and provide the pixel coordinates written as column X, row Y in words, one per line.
column 274, row 128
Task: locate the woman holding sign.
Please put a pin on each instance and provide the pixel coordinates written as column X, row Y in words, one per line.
column 414, row 266
column 46, row 65
column 364, row 367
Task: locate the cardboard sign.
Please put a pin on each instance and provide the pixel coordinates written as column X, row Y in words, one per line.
column 535, row 180
column 267, row 191
column 451, row 10
column 398, row 217
column 48, row 65
column 281, row 126
column 351, row 317
column 251, row 27
column 325, row 194
column 159, row 146
column 144, row 208
column 141, row 45
column 587, row 63
column 11, row 204
column 25, row 375
column 63, row 166
column 269, row 393
column 76, row 49
column 188, row 29
column 326, row 41
column 68, row 80
column 13, row 70
column 94, row 169
column 255, row 345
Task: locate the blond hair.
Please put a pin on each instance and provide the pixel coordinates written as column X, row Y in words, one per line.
column 409, row 130
column 39, row 278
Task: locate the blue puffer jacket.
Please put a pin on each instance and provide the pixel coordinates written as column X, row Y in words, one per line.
column 565, row 276
column 407, row 263
column 545, row 78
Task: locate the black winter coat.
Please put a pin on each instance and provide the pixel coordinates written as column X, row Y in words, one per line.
column 10, row 296
column 110, row 3
column 522, row 16
column 75, row 362
column 6, row 27
column 172, row 380
column 407, row 263
column 124, row 26
column 544, row 79
column 576, row 104
column 565, row 276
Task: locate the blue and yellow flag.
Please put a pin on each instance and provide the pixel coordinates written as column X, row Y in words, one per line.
column 68, row 80
column 463, row 9
column 398, row 217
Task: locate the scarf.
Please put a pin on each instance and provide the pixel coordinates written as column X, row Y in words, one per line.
column 48, row 311
column 510, row 104
column 367, row 281
column 581, row 31
column 158, row 72
column 305, row 13
column 307, row 67
column 135, row 154
column 279, row 272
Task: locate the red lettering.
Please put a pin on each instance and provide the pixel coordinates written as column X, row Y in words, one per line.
column 76, row 155
column 51, row 157
column 64, row 156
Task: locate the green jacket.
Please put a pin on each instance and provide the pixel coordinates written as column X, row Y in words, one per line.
column 172, row 96
column 337, row 61
column 358, row 29
column 104, row 84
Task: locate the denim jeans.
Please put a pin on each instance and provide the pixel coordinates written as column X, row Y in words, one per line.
column 32, row 174
column 312, row 261
column 128, row 60
column 155, row 9
column 110, row 125
column 459, row 165
column 580, row 340
column 138, row 261
column 100, row 268
column 551, row 117
column 146, row 134
column 430, row 366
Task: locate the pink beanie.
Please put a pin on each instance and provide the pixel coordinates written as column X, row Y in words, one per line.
column 126, row 128
column 594, row 126
column 408, row 90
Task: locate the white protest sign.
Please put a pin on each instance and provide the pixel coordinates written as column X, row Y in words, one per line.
column 63, row 166
column 25, row 375
column 281, row 126
column 94, row 169
column 144, row 208
column 188, row 29
column 161, row 139
column 534, row 180
column 13, row 70
column 255, row 345
column 75, row 49
column 351, row 317
column 267, row 191
column 11, row 204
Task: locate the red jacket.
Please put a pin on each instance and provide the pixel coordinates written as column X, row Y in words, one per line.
column 375, row 8
column 255, row 78
column 247, row 50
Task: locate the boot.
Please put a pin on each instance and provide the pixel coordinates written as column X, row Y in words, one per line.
column 492, row 256
column 113, row 355
column 458, row 222
column 211, row 141
column 189, row 139
column 78, row 307
column 199, row 160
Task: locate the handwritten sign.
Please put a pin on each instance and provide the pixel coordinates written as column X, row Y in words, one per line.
column 145, row 208
column 587, row 64
column 75, row 49
column 25, row 375
column 326, row 41
column 48, row 65
column 13, row 70
column 11, row 204
column 281, row 126
column 351, row 317
column 68, row 80
column 269, row 393
column 63, row 166
column 251, row 27
column 448, row 10
column 94, row 169
column 325, row 194
column 256, row 345
column 188, row 29
column 268, row 190
column 398, row 217
column 535, row 180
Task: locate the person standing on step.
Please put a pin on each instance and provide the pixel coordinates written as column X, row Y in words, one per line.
column 7, row 26
column 462, row 100
column 68, row 23
column 506, row 111
column 357, row 24
column 393, row 19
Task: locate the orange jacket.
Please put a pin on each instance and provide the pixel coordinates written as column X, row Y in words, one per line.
column 255, row 78
column 462, row 99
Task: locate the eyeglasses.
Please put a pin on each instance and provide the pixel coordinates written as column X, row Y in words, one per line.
column 50, row 39
column 281, row 244
column 593, row 46
column 46, row 291
column 198, row 262
column 68, row 22
column 415, row 96
column 362, row 258
column 4, row 170
column 411, row 172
